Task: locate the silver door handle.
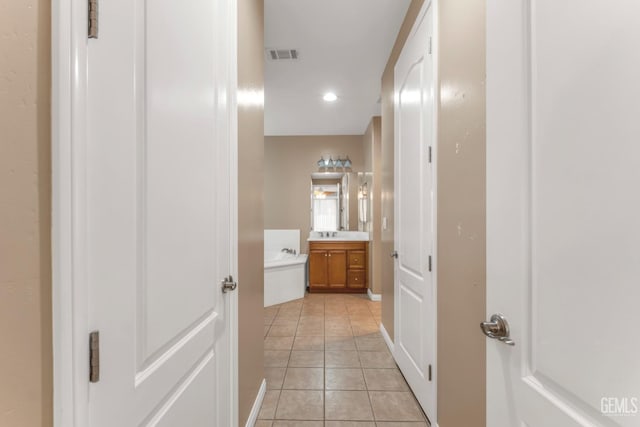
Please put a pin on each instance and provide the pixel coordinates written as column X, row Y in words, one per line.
column 497, row 328
column 394, row 254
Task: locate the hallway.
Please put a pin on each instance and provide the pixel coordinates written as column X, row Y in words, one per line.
column 326, row 364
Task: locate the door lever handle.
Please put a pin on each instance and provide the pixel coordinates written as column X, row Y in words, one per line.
column 507, row 341
column 497, row 328
column 394, row 254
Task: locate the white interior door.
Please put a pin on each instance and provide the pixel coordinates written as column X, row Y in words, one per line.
column 157, row 214
column 563, row 169
column 415, row 327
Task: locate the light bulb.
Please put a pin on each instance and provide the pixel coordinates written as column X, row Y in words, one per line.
column 330, row 97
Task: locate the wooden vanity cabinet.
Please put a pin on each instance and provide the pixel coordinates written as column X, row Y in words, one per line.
column 338, row 266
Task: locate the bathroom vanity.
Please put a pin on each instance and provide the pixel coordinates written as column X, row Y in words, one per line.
column 337, row 265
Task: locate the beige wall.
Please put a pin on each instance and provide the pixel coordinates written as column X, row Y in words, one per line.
column 386, row 167
column 250, row 202
column 25, row 214
column 461, row 215
column 372, row 147
column 461, row 208
column 288, row 164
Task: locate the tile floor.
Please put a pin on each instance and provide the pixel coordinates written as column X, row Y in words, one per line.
column 327, row 365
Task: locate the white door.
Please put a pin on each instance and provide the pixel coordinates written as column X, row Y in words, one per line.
column 157, row 214
column 563, row 170
column 415, row 304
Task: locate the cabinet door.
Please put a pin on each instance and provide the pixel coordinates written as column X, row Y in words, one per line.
column 318, row 268
column 337, row 269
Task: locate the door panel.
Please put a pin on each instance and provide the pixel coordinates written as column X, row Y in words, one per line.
column 562, row 153
column 414, row 346
column 178, row 210
column 158, row 180
column 412, row 339
column 411, row 150
column 178, row 409
column 337, row 269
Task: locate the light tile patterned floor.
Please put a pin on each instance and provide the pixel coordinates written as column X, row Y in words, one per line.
column 327, row 365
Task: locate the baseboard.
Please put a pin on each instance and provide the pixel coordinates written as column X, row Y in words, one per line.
column 255, row 410
column 386, row 337
column 374, row 297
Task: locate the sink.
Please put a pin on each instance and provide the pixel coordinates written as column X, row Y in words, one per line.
column 342, row 236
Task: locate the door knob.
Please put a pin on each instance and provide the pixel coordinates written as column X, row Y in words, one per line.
column 228, row 284
column 394, row 254
column 497, row 328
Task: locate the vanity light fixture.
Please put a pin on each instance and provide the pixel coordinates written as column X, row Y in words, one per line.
column 325, row 163
column 329, row 163
column 330, row 97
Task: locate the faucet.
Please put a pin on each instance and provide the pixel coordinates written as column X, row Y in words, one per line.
column 289, row 251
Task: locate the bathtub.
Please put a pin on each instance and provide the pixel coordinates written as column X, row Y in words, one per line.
column 285, row 277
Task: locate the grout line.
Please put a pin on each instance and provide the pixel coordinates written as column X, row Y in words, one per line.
column 324, row 362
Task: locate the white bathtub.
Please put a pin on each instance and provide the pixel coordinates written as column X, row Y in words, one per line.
column 284, row 277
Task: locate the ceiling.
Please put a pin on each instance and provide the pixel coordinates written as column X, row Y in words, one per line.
column 343, row 47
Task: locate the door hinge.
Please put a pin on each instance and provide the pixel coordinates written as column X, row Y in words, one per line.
column 93, row 19
column 430, row 155
column 94, row 356
column 429, row 262
column 430, row 45
column 430, row 376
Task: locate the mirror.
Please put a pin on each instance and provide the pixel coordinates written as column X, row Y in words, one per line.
column 338, row 202
column 365, row 201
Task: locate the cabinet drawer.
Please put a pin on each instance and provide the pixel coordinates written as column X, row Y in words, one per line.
column 356, row 259
column 356, row 279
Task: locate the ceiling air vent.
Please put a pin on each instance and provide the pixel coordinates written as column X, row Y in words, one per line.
column 280, row 54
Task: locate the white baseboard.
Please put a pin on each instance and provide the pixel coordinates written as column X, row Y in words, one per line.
column 386, row 337
column 374, row 297
column 255, row 410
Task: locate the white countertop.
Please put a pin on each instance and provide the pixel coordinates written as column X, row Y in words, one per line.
column 341, row 236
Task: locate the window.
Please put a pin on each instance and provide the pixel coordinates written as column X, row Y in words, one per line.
column 326, row 207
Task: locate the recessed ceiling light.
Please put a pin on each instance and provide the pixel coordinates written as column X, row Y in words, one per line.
column 330, row 97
